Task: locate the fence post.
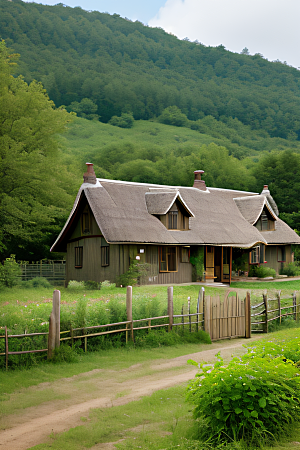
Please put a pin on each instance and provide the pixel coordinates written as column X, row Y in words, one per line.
column 206, row 311
column 54, row 325
column 129, row 309
column 247, row 316
column 200, row 298
column 6, row 348
column 189, row 309
column 265, row 299
column 295, row 305
column 170, row 307
column 279, row 305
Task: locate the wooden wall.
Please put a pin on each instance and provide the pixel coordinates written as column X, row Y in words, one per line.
column 120, row 257
column 271, row 257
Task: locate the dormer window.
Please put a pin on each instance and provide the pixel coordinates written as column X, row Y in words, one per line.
column 85, row 221
column 173, row 220
column 266, row 222
column 169, row 207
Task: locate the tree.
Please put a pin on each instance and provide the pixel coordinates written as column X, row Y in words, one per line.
column 33, row 192
column 173, row 116
column 86, row 109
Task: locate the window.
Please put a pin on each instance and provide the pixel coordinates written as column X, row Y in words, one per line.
column 168, row 259
column 264, row 221
column 281, row 253
column 173, row 220
column 257, row 254
column 85, row 222
column 185, row 254
column 78, row 257
column 104, row 253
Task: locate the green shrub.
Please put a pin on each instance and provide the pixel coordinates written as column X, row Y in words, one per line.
column 290, row 269
column 38, row 282
column 64, row 353
column 135, row 271
column 9, row 272
column 172, row 115
column 256, row 397
column 197, row 261
column 92, row 285
column 107, row 284
column 76, row 284
column 125, row 121
column 262, row 272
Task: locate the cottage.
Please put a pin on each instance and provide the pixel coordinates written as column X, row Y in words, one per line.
column 114, row 222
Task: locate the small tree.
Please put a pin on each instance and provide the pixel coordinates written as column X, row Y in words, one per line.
column 125, row 121
column 173, row 116
column 9, row 272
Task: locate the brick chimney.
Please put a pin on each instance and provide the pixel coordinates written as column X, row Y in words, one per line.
column 89, row 176
column 198, row 183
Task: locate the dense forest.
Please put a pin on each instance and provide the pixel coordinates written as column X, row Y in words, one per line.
column 128, row 67
column 157, row 108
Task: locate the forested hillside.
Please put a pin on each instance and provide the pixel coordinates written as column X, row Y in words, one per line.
column 177, row 106
column 128, row 67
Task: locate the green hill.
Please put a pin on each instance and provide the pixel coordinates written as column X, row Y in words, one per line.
column 124, row 66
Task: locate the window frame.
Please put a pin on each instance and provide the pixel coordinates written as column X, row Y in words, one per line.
column 259, row 251
column 283, row 253
column 166, row 261
column 105, row 253
column 185, row 258
column 173, row 216
column 78, row 256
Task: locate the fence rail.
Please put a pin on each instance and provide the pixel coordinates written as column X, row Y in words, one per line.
column 221, row 319
column 53, row 271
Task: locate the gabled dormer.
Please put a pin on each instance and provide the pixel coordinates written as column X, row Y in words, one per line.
column 266, row 221
column 169, row 207
column 257, row 210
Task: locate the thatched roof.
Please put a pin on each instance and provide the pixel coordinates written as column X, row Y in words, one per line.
column 124, row 212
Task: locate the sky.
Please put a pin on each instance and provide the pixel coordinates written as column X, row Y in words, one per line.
column 268, row 27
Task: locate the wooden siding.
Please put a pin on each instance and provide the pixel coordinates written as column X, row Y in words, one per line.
column 271, row 256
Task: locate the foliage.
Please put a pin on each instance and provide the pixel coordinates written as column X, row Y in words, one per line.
column 107, row 284
column 9, row 272
column 291, row 269
column 64, row 353
column 36, row 283
column 173, row 116
column 125, row 66
column 34, row 189
column 261, row 271
column 197, row 260
column 254, row 398
column 125, row 121
column 240, row 262
column 73, row 284
column 135, row 271
column 92, row 285
column 86, row 109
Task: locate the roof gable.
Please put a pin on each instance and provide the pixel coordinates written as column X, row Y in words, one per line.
column 159, row 202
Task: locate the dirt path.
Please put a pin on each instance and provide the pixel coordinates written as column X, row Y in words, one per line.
column 74, row 397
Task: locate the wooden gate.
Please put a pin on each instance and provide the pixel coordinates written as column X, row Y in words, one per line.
column 229, row 318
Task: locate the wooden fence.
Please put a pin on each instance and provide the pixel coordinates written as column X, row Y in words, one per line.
column 276, row 308
column 54, row 271
column 221, row 319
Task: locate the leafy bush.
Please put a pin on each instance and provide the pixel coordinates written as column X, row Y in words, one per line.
column 172, row 115
column 255, row 397
column 64, row 353
column 290, row 269
column 262, row 272
column 76, row 284
column 197, row 260
column 37, row 282
column 135, row 271
column 107, row 284
column 9, row 272
column 92, row 285
column 125, row 121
